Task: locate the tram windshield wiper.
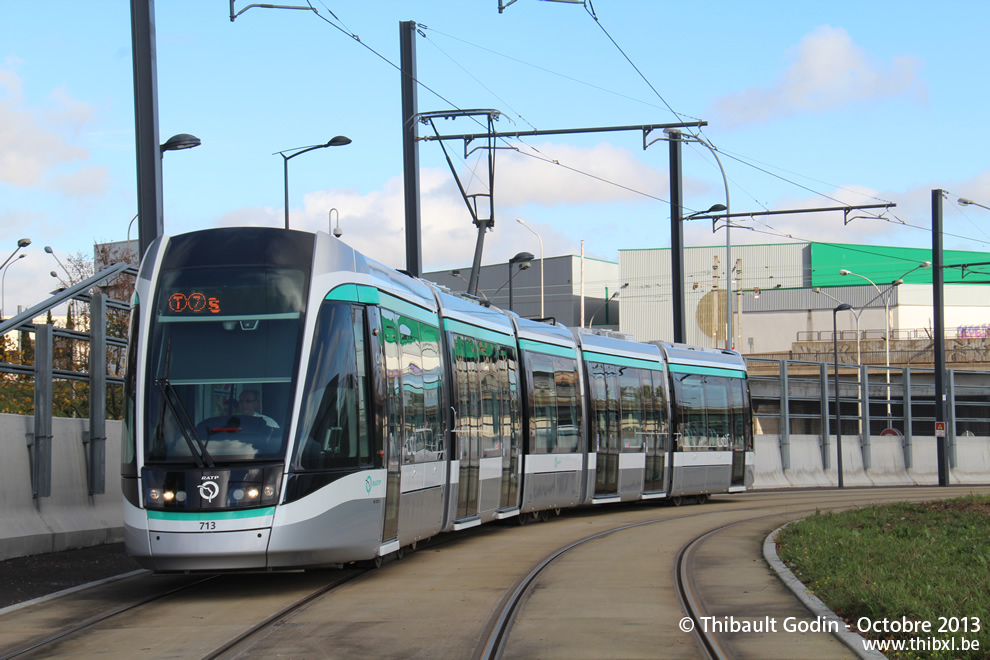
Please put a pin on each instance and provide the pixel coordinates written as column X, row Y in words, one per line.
column 174, row 403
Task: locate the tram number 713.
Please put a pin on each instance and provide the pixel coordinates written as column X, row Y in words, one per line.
column 205, row 526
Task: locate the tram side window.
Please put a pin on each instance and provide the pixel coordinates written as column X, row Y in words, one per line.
column 554, row 412
column 717, row 400
column 599, row 406
column 631, row 395
column 490, row 399
column 742, row 424
column 692, row 423
column 420, row 435
column 334, row 432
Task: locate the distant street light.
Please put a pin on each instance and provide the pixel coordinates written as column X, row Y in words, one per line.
column 968, row 202
column 542, row 312
column 518, row 259
column 3, row 283
column 615, row 295
column 838, row 414
column 22, row 243
column 337, row 141
column 886, row 306
column 49, row 250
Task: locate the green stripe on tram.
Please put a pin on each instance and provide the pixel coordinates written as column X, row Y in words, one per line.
column 548, row 349
column 356, row 293
column 409, row 310
column 706, row 371
column 622, row 361
column 196, row 516
column 453, row 325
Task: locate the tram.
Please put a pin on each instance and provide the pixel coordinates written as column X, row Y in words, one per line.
column 291, row 403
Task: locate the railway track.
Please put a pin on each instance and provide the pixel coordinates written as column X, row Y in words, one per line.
column 593, row 583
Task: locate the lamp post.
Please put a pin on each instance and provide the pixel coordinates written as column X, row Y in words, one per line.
column 21, row 243
column 615, row 295
column 179, row 142
column 886, row 307
column 968, row 202
column 542, row 312
column 3, row 283
column 49, row 250
column 838, row 413
column 337, row 141
column 518, row 259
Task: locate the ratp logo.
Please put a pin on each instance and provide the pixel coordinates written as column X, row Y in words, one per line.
column 209, row 490
column 370, row 483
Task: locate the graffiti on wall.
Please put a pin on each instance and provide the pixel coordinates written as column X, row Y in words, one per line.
column 973, row 331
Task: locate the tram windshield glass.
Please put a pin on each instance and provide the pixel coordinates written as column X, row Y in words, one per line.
column 224, row 346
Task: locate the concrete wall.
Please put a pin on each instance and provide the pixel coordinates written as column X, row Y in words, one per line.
column 888, row 462
column 70, row 518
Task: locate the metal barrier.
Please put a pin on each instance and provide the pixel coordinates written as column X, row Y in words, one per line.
column 44, row 374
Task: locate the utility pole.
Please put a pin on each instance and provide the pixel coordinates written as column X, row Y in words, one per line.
column 677, row 236
column 149, row 161
column 938, row 304
column 410, row 148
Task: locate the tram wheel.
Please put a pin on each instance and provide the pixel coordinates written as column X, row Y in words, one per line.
column 400, row 553
column 677, row 500
column 702, row 498
column 377, row 561
column 544, row 515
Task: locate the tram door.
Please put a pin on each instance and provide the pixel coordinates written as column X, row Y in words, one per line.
column 467, row 423
column 740, row 430
column 393, row 430
column 604, row 385
column 655, row 425
column 510, row 427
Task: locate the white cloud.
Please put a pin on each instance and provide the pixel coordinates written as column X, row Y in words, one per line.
column 30, row 150
column 827, row 71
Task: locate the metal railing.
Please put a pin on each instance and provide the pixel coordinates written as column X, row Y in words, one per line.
column 44, row 374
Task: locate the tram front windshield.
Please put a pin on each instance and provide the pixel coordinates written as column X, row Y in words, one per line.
column 224, row 347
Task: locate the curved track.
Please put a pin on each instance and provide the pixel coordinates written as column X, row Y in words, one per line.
column 597, row 582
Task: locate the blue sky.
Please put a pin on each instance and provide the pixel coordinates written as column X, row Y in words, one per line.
column 809, row 105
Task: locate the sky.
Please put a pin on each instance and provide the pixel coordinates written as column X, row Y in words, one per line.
column 807, row 104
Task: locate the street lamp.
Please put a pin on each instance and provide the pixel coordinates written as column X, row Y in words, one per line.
column 615, row 295
column 49, row 250
column 337, row 141
column 838, row 414
column 542, row 313
column 886, row 306
column 967, row 202
column 520, row 258
column 21, row 243
column 3, row 283
column 179, row 142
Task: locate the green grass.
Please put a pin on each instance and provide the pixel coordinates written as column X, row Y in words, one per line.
column 919, row 562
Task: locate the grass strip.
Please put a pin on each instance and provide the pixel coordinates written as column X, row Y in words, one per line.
column 906, row 563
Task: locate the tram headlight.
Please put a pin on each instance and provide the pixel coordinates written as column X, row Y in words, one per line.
column 180, row 496
column 269, row 491
column 168, row 496
column 155, row 494
column 238, row 494
column 252, row 493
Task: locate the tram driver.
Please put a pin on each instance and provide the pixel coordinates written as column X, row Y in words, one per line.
column 248, row 405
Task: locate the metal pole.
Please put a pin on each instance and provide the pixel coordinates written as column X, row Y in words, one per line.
column 838, row 413
column 410, row 151
column 510, row 286
column 285, row 161
column 677, row 238
column 939, row 348
column 149, row 161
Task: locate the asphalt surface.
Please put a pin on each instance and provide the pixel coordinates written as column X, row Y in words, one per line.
column 27, row 578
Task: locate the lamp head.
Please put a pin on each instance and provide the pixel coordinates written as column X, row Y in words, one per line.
column 842, row 307
column 180, row 141
column 49, row 250
column 338, row 141
column 716, row 208
column 24, row 242
column 926, row 264
column 845, row 272
column 522, row 256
